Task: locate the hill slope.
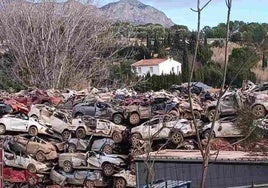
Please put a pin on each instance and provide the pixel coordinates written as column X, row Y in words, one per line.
column 135, row 12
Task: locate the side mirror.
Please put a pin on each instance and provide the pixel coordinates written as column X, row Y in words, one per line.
column 220, row 128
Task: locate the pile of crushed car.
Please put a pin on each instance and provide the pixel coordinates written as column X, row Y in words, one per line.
column 89, row 138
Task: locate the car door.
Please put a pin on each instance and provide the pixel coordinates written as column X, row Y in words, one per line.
column 89, row 109
column 103, row 127
column 101, row 109
column 17, row 123
column 227, row 128
column 227, row 105
column 154, row 128
column 93, row 160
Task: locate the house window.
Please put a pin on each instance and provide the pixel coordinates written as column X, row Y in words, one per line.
column 172, row 69
column 151, row 69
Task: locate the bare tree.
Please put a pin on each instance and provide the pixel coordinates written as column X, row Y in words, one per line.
column 57, row 44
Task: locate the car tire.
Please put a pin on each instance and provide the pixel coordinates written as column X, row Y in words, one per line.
column 40, row 156
column 108, row 169
column 210, row 115
column 259, row 111
column 71, row 148
column 117, row 137
column 33, row 131
column 80, row 133
column 67, row 166
column 176, row 137
column 205, row 134
column 89, row 184
column 120, row 183
column 107, row 148
column 118, row 119
column 135, row 139
column 31, row 168
column 134, row 119
column 174, row 113
column 65, row 135
column 2, row 129
column 197, row 114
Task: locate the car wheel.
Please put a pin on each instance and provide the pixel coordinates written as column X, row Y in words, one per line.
column 71, row 148
column 197, row 114
column 33, row 131
column 117, row 119
column 117, row 137
column 80, row 133
column 174, row 113
column 176, row 137
column 120, row 183
column 108, row 169
column 67, row 166
column 259, row 111
column 31, row 180
column 2, row 128
column 89, row 184
column 205, row 134
column 31, row 168
column 40, row 156
column 135, row 139
column 134, row 119
column 107, row 148
column 211, row 114
column 65, row 135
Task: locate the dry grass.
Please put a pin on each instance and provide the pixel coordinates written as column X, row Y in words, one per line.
column 218, row 56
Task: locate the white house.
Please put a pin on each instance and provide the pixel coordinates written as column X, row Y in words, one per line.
column 156, row 66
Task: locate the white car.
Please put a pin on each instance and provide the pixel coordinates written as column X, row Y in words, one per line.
column 124, row 178
column 92, row 160
column 28, row 163
column 162, row 127
column 22, row 123
column 224, row 127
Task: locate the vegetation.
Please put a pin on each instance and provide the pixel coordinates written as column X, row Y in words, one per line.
column 110, row 49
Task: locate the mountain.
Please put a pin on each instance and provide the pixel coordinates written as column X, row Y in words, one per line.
column 135, row 12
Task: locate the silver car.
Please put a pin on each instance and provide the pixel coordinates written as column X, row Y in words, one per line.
column 92, row 160
column 25, row 163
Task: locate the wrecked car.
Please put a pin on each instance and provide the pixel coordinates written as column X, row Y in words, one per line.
column 87, row 178
column 162, row 127
column 5, row 109
column 105, row 145
column 37, row 147
column 224, row 127
column 229, row 103
column 124, row 178
column 101, row 127
column 92, row 160
column 19, row 176
column 25, row 162
column 22, row 123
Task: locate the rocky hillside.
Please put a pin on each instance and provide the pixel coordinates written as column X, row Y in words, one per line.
column 135, row 12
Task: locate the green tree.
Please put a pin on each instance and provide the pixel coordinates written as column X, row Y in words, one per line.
column 240, row 63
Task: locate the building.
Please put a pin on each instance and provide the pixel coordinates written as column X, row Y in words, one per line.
column 156, row 66
column 230, row 169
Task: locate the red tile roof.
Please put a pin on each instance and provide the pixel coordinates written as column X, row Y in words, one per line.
column 148, row 62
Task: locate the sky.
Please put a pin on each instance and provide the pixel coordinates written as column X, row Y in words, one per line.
column 179, row 11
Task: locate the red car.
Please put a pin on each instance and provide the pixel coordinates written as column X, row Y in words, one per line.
column 17, row 106
column 19, row 176
column 38, row 97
